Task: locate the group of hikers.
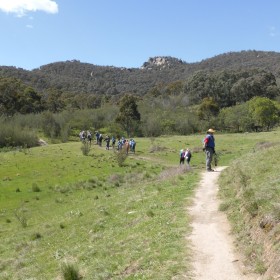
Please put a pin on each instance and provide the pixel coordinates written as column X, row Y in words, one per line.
column 185, row 155
column 122, row 143
column 126, row 144
column 85, row 136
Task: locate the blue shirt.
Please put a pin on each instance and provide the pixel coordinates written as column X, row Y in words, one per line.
column 209, row 141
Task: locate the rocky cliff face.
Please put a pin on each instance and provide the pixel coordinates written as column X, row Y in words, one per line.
column 162, row 62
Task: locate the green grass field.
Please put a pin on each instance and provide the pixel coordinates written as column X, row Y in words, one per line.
column 59, row 207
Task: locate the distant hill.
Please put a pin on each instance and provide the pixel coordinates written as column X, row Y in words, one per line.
column 76, row 77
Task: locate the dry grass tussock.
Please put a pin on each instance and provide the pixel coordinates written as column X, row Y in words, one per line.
column 173, row 172
column 157, row 148
column 265, row 145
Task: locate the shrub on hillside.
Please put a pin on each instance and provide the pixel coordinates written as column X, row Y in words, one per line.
column 49, row 125
column 35, row 188
column 120, row 156
column 12, row 135
column 85, row 148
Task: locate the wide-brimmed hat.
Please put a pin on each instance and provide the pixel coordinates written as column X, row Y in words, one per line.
column 211, row 130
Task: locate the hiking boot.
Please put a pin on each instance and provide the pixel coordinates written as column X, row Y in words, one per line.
column 210, row 170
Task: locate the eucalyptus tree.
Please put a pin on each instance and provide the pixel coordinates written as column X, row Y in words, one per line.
column 264, row 112
column 128, row 116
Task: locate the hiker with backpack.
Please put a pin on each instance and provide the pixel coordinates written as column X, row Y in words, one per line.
column 120, row 144
column 182, row 156
column 89, row 136
column 113, row 142
column 100, row 140
column 107, row 140
column 209, row 148
column 126, row 146
column 82, row 135
column 97, row 137
column 188, row 156
column 132, row 145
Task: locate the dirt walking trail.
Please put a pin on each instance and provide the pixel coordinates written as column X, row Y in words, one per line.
column 214, row 256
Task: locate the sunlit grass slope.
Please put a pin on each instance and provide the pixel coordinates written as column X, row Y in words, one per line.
column 58, row 206
column 250, row 190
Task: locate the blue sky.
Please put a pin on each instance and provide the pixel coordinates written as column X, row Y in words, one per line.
column 126, row 33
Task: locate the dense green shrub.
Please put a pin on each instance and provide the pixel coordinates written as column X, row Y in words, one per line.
column 120, row 156
column 49, row 125
column 13, row 135
column 35, row 188
column 85, row 148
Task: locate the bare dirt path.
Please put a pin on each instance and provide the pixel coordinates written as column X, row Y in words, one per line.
column 214, row 256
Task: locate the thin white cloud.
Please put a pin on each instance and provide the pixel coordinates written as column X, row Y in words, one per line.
column 29, row 26
column 21, row 7
column 272, row 31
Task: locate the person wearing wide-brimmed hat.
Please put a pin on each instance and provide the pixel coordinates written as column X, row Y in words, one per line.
column 209, row 148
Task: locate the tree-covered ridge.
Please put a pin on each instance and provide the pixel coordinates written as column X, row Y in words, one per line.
column 77, row 77
column 270, row 61
column 77, row 85
column 173, row 97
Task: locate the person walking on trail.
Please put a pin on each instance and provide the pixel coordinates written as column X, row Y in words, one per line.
column 188, row 156
column 89, row 136
column 97, row 137
column 132, row 145
column 113, row 142
column 100, row 139
column 182, row 156
column 209, row 148
column 82, row 135
column 107, row 140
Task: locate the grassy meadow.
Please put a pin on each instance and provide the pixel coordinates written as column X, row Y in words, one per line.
column 62, row 211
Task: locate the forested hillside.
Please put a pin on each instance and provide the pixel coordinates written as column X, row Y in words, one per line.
column 77, row 77
column 233, row 92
